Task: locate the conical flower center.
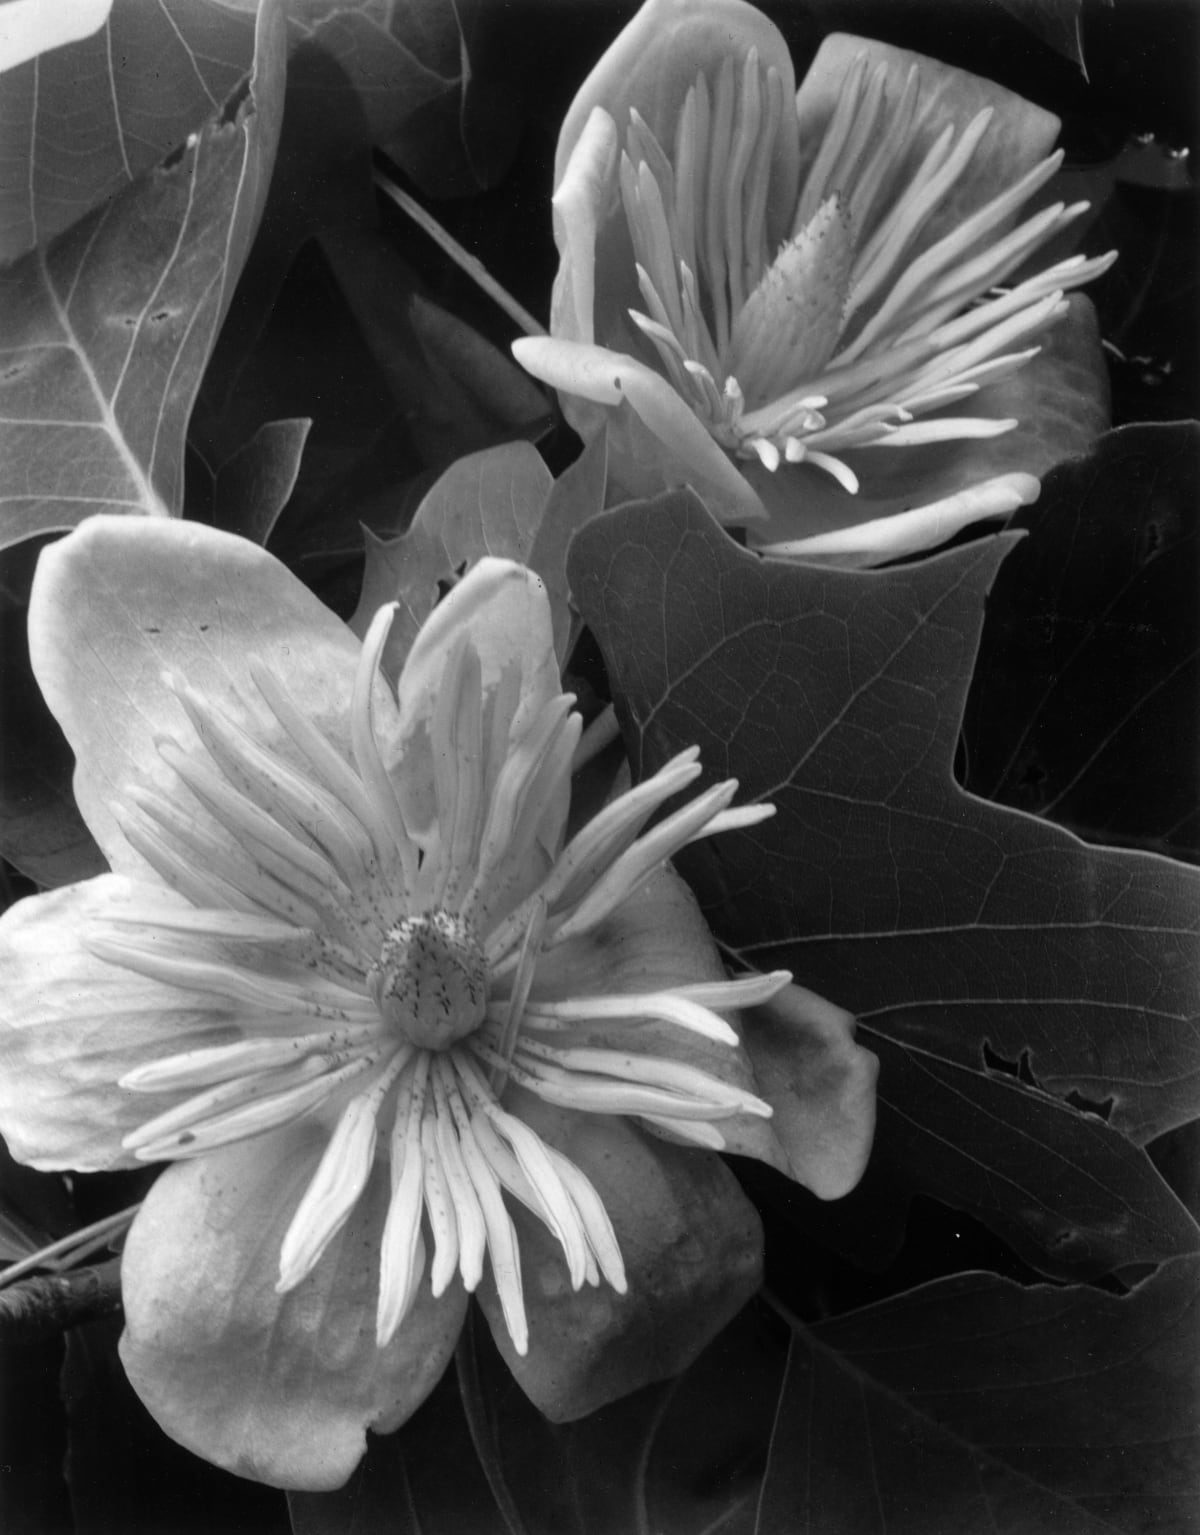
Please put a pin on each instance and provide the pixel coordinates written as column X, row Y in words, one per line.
column 430, row 981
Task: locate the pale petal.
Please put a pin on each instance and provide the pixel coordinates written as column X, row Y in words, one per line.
column 914, row 532
column 1018, row 135
column 280, row 1388
column 122, row 601
column 71, row 1026
column 502, row 609
column 821, row 1085
column 691, row 1244
column 582, row 199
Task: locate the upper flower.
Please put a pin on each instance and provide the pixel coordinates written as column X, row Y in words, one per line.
column 356, row 982
column 771, row 281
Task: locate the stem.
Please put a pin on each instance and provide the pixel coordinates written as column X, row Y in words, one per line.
column 79, row 1244
column 51, row 1303
column 471, row 265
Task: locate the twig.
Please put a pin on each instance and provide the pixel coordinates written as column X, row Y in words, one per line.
column 49, row 1304
column 471, row 265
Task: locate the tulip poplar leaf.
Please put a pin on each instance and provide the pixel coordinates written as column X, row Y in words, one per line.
column 105, row 332
column 1039, row 1410
column 1089, row 665
column 961, row 933
column 502, row 501
column 128, row 94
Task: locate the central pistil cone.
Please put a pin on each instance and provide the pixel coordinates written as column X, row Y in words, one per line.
column 430, row 981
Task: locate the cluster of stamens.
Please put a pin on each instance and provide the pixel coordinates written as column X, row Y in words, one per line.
column 836, row 338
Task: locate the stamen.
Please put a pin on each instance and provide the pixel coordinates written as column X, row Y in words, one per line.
column 338, row 1181
column 712, row 252
column 640, row 860
column 686, row 1012
column 468, row 1217
column 238, row 1110
column 387, row 827
column 402, row 1252
column 695, row 1131
column 748, row 122
column 456, row 737
column 440, row 1205
column 628, row 1066
column 221, row 1063
column 818, row 184
column 531, row 950
column 533, row 1158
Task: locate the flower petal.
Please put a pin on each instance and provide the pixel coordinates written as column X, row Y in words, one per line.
column 692, row 1249
column 281, row 1388
column 121, row 601
column 820, row 1084
column 657, row 441
column 503, row 609
column 1018, row 135
column 653, row 64
column 73, row 1025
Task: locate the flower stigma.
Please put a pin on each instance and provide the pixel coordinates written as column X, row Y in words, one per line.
column 381, row 940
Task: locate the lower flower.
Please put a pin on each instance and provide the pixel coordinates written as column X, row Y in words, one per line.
column 400, row 1038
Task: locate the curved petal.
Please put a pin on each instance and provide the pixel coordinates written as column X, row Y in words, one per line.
column 655, row 941
column 1060, row 401
column 1018, row 136
column 653, row 64
column 656, row 443
column 820, row 1084
column 584, row 197
column 504, row 609
column 122, row 601
column 692, row 1247
column 914, row 532
column 73, row 1025
column 281, row 1388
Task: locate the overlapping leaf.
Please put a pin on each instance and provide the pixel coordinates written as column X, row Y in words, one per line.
column 1008, row 963
column 503, row 502
column 974, row 1405
column 80, row 123
column 105, row 332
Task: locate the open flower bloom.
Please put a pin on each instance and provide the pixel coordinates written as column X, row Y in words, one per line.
column 399, row 1036
column 814, row 305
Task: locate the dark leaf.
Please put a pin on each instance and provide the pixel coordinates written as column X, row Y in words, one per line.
column 973, row 1404
column 252, row 488
column 458, row 393
column 1085, row 706
column 985, row 945
column 107, row 330
column 424, row 1479
column 81, row 123
column 41, row 831
column 1059, row 24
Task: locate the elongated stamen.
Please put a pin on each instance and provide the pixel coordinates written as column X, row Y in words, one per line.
column 222, row 1063
column 670, row 1007
column 401, row 1251
column 241, row 1109
column 439, row 1204
column 522, row 981
column 388, row 827
column 456, row 738
column 468, row 1216
column 339, row 1180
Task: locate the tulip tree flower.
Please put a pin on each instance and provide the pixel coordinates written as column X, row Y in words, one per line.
column 817, row 305
column 398, row 1037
